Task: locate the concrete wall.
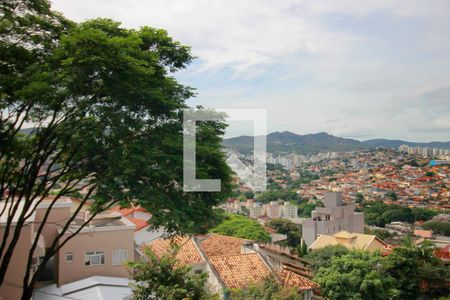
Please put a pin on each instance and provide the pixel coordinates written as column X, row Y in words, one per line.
column 106, row 241
column 58, row 216
column 11, row 287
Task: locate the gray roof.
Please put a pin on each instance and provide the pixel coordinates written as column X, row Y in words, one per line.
column 92, row 288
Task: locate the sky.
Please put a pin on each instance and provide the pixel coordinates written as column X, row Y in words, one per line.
column 358, row 69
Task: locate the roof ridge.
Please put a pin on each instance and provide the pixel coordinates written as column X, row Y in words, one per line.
column 229, row 255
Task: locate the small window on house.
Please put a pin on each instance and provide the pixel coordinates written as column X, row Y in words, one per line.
column 94, row 258
column 119, row 256
column 197, row 271
column 69, row 257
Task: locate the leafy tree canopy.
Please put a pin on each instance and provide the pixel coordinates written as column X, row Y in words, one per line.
column 241, row 227
column 162, row 278
column 442, row 228
column 269, row 289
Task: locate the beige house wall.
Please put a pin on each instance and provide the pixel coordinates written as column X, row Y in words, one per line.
column 58, row 216
column 103, row 239
column 11, row 287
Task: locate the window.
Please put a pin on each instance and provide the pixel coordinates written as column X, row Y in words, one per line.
column 94, row 258
column 197, row 271
column 69, row 257
column 119, row 256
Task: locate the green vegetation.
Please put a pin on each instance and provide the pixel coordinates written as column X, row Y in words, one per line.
column 378, row 214
column 392, row 195
column 355, row 275
column 291, row 230
column 407, row 273
column 241, row 227
column 380, row 233
column 302, row 250
column 269, row 289
column 441, row 228
column 107, row 115
column 359, row 198
column 322, row 257
column 161, row 278
column 305, row 208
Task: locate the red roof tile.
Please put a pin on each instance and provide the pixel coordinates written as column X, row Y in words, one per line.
column 217, row 245
column 238, row 271
column 139, row 223
column 292, row 279
column 187, row 254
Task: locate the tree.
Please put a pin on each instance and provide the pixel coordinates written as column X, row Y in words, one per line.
column 242, row 227
column 107, row 115
column 249, row 195
column 359, row 198
column 290, row 229
column 302, row 250
column 355, row 275
column 438, row 227
column 415, row 266
column 322, row 257
column 392, row 195
column 242, row 198
column 269, row 289
column 162, row 278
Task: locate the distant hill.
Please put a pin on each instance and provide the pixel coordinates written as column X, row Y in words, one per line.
column 289, row 142
column 396, row 143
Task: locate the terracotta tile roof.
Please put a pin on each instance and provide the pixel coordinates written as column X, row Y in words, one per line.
column 127, row 211
column 139, row 223
column 423, row 233
column 292, row 279
column 188, row 253
column 217, row 245
column 349, row 240
column 238, row 271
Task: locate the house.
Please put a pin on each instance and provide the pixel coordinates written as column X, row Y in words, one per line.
column 231, row 262
column 11, row 287
column 353, row 241
column 334, row 217
column 427, row 234
column 100, row 248
column 95, row 287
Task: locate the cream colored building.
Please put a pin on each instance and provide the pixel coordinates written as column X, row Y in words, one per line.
column 353, row 241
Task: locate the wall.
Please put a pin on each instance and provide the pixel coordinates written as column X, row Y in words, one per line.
column 95, row 241
column 11, row 287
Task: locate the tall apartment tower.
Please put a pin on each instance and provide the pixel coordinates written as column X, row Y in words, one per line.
column 334, row 217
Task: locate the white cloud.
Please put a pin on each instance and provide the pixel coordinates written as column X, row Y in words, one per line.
column 377, row 68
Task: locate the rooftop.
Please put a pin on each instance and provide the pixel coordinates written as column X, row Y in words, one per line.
column 187, row 254
column 216, row 245
column 237, row 271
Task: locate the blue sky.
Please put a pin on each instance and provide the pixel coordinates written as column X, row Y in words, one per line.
column 359, row 69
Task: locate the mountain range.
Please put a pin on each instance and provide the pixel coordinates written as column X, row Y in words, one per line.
column 288, row 142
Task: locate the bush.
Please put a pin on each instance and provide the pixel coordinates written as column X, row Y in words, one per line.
column 241, row 227
column 438, row 227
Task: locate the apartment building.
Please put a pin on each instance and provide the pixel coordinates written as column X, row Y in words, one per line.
column 334, row 217
column 11, row 286
column 290, row 211
column 101, row 248
column 274, row 210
